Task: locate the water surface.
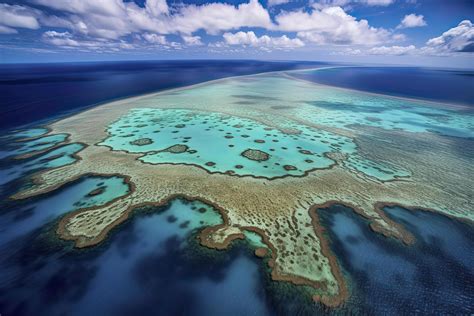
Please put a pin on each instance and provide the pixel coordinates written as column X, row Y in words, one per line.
column 59, row 89
column 389, row 278
column 435, row 84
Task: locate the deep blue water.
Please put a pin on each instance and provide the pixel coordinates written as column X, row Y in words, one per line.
column 149, row 266
column 433, row 276
column 34, row 92
column 452, row 86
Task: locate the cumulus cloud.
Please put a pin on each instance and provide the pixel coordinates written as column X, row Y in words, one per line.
column 412, row 20
column 113, row 23
column 392, row 50
column 331, row 25
column 61, row 39
column 17, row 16
column 349, row 3
column 264, row 41
column 7, row 30
column 157, row 7
column 216, row 17
column 382, row 50
column 192, row 40
column 113, row 19
column 66, row 40
column 155, row 38
column 378, row 2
column 456, row 39
column 272, row 3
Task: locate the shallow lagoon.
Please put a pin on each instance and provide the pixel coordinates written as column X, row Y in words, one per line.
column 218, row 143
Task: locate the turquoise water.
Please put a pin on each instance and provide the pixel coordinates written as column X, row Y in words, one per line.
column 254, row 239
column 330, row 106
column 221, row 140
column 344, row 108
column 218, row 143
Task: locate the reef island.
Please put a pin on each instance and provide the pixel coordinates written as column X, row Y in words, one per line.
column 267, row 151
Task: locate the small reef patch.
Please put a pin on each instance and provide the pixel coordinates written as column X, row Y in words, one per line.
column 177, row 149
column 141, row 141
column 255, row 154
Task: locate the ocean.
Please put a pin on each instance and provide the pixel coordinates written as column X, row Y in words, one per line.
column 152, row 264
column 34, row 93
column 431, row 84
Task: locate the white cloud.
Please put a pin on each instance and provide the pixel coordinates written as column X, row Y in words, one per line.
column 113, row 19
column 378, row 2
column 192, row 40
column 61, row 39
column 412, row 20
column 110, row 22
column 349, row 3
column 66, row 40
column 155, row 38
column 7, row 30
column 146, row 41
column 216, row 17
column 382, row 50
column 331, row 25
column 456, row 39
column 264, row 41
column 272, row 3
column 16, row 16
column 94, row 7
column 157, row 7
column 392, row 50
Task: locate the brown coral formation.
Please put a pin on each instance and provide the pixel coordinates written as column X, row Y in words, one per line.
column 255, row 154
column 97, row 191
column 141, row 142
column 177, row 149
column 261, row 252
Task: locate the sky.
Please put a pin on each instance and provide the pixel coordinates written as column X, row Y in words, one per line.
column 415, row 32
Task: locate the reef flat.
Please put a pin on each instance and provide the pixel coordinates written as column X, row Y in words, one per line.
column 266, row 151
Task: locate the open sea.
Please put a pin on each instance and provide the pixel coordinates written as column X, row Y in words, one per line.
column 152, row 264
column 39, row 92
column 431, row 84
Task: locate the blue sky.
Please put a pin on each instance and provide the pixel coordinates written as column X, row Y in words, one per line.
column 436, row 33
